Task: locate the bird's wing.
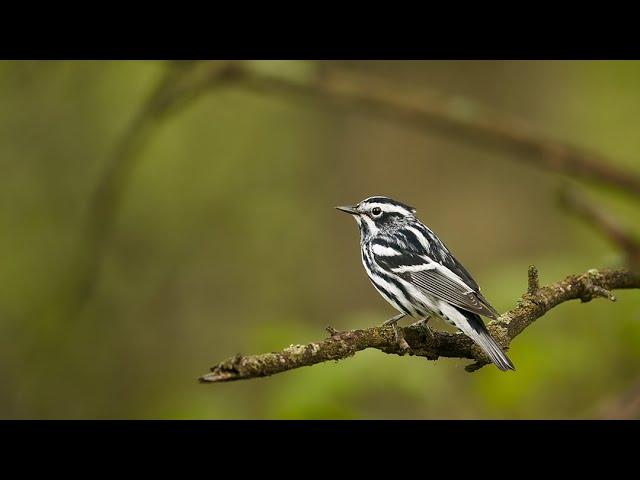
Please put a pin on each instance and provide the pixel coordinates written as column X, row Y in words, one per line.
column 431, row 276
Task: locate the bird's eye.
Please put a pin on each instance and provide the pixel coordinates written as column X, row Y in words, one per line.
column 376, row 211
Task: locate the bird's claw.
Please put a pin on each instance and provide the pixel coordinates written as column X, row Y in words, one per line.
column 332, row 331
column 424, row 323
column 402, row 343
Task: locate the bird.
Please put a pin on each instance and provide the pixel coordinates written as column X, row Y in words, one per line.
column 417, row 274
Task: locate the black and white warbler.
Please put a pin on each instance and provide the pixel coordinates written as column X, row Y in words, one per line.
column 416, row 273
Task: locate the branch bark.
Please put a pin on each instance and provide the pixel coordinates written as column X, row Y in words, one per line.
column 533, row 304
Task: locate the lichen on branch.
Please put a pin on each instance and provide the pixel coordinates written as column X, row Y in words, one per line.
column 537, row 301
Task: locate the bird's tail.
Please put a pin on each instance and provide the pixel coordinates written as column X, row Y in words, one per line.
column 480, row 335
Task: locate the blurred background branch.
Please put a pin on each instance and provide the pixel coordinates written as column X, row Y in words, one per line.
column 534, row 304
column 458, row 117
column 603, row 222
column 423, row 109
column 624, row 406
column 181, row 84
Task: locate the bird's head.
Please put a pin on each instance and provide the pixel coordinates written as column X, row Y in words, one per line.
column 374, row 214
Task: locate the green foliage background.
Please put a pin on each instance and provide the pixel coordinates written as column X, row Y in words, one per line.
column 226, row 241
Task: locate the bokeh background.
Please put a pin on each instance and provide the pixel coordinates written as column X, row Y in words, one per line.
column 138, row 249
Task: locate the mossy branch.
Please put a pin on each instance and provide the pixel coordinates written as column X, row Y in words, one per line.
column 534, row 303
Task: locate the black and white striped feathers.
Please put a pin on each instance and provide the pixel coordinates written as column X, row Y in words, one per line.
column 417, row 274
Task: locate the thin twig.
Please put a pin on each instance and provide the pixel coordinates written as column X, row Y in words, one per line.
column 339, row 345
column 533, row 282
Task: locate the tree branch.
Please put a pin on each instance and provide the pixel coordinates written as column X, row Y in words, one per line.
column 533, row 304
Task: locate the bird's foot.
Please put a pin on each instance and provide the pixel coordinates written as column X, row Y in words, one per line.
column 402, row 343
column 332, row 331
column 424, row 323
column 393, row 320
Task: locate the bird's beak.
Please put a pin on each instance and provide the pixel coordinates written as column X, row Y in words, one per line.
column 351, row 210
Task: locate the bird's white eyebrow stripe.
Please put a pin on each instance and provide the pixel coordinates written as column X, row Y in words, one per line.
column 383, row 251
column 387, row 207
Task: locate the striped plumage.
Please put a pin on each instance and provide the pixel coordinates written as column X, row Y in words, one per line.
column 417, row 274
